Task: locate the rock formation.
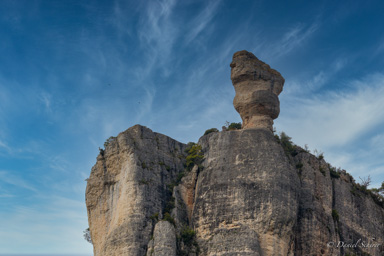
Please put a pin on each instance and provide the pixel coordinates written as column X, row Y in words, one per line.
column 240, row 192
column 127, row 190
column 257, row 89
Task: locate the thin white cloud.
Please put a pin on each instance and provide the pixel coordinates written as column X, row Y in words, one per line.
column 315, row 82
column 49, row 223
column 339, row 117
column 291, row 40
column 296, row 36
column 377, row 142
column 202, row 20
column 4, row 146
column 18, row 181
column 46, row 99
column 120, row 19
column 157, row 34
column 341, row 124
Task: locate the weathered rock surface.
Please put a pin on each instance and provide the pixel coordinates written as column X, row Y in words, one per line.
column 164, row 240
column 250, row 195
column 333, row 210
column 127, row 190
column 245, row 196
column 257, row 88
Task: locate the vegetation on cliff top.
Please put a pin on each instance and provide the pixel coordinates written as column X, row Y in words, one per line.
column 195, row 155
column 211, row 131
column 232, row 126
column 291, row 150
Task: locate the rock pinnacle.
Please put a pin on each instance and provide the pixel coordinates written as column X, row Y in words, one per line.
column 257, row 88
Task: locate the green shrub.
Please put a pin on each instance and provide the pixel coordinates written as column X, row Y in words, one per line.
column 288, row 146
column 335, row 215
column 195, row 156
column 144, row 182
column 108, row 141
column 189, row 146
column 211, row 131
column 354, row 191
column 87, row 235
column 187, row 235
column 180, row 175
column 334, row 173
column 155, row 216
column 170, row 204
column 168, row 217
column 234, row 126
column 299, row 165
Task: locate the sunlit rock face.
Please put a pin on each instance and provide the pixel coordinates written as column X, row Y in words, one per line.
column 257, row 88
column 246, row 193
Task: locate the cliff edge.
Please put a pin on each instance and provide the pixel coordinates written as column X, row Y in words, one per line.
column 235, row 192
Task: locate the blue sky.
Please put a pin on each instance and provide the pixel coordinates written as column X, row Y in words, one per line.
column 73, row 73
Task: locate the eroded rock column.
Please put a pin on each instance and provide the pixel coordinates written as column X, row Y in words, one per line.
column 257, row 88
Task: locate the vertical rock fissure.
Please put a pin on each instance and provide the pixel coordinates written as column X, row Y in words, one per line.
column 336, row 221
column 194, row 196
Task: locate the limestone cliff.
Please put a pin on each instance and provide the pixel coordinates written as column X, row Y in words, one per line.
column 240, row 192
column 127, row 190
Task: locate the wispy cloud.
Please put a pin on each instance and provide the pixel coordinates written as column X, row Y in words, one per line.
column 296, row 36
column 5, row 146
column 18, row 181
column 45, row 99
column 315, row 82
column 157, row 34
column 337, row 122
column 202, row 20
column 33, row 225
column 339, row 117
column 291, row 40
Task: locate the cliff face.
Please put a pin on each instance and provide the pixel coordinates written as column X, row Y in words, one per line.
column 241, row 192
column 246, row 201
column 127, row 190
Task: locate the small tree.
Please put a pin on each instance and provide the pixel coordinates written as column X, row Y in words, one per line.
column 234, row 126
column 381, row 189
column 365, row 182
column 195, row 156
column 87, row 235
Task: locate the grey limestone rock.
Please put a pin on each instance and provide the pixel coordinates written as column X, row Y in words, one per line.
column 127, row 190
column 164, row 240
column 243, row 192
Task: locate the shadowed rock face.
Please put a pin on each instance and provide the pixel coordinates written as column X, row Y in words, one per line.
column 257, row 88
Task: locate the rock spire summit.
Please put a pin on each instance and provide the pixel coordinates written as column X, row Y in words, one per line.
column 257, row 88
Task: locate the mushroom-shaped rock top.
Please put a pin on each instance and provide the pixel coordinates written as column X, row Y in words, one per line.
column 257, row 87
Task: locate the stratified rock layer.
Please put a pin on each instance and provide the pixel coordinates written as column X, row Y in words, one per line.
column 257, row 88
